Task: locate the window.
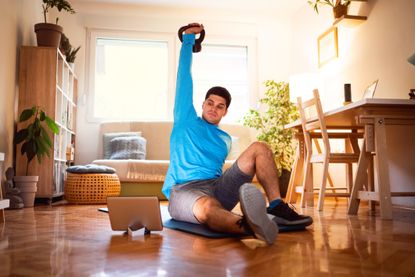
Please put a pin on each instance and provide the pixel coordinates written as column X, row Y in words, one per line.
column 131, row 75
column 131, row 79
column 226, row 66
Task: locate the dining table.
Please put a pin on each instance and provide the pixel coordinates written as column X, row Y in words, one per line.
column 372, row 116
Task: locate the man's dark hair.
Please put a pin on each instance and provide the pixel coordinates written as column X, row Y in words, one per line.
column 222, row 92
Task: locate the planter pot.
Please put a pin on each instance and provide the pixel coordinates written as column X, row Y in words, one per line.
column 339, row 11
column 28, row 187
column 283, row 180
column 48, row 34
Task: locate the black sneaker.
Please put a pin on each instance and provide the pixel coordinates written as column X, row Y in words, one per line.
column 243, row 224
column 284, row 215
column 255, row 213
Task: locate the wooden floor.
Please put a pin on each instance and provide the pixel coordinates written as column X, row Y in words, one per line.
column 76, row 240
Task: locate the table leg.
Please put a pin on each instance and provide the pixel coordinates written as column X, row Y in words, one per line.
column 360, row 179
column 296, row 175
column 349, row 167
column 383, row 169
column 307, row 197
column 371, row 183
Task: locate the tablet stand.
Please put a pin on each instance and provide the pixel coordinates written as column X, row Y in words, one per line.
column 136, row 226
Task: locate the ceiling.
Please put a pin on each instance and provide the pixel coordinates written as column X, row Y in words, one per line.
column 285, row 6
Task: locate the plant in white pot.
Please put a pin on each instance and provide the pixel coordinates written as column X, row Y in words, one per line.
column 270, row 125
column 68, row 51
column 49, row 34
column 35, row 143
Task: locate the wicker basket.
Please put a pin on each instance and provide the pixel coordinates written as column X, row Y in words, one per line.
column 89, row 188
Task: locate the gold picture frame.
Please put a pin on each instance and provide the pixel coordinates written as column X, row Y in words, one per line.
column 327, row 46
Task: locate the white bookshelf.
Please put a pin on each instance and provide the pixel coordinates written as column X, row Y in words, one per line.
column 4, row 203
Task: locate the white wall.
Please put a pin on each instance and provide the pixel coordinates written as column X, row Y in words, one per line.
column 17, row 18
column 271, row 33
column 376, row 49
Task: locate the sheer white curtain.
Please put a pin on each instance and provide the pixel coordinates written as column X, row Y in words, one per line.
column 131, row 79
column 226, row 66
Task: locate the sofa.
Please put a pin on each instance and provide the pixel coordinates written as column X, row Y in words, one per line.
column 144, row 174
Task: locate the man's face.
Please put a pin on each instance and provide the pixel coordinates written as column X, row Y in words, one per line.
column 214, row 108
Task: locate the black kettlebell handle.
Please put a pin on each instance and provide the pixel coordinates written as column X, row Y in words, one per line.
column 197, row 47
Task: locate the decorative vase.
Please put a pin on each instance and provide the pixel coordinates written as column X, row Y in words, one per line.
column 48, row 34
column 339, row 11
column 28, row 187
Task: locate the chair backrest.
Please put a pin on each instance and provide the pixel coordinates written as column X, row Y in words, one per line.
column 312, row 118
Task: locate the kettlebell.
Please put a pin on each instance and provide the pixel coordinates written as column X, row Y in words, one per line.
column 197, row 47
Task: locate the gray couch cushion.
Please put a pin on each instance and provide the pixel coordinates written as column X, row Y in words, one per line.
column 132, row 147
column 90, row 168
column 107, row 137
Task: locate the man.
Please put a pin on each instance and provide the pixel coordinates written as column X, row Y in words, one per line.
column 197, row 190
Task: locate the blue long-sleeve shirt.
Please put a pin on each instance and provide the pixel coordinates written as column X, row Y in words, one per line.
column 197, row 148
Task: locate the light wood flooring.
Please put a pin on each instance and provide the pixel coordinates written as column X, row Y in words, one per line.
column 76, row 240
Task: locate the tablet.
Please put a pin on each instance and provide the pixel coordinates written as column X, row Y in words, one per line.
column 134, row 213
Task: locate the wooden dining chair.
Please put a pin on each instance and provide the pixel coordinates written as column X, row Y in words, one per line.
column 314, row 128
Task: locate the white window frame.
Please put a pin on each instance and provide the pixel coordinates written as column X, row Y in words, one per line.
column 93, row 34
column 251, row 44
column 174, row 46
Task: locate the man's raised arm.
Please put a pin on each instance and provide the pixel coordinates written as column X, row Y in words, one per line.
column 183, row 105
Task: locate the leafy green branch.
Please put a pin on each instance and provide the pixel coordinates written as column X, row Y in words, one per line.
column 35, row 138
column 59, row 4
column 270, row 123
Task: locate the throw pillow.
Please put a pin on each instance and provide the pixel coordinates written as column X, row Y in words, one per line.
column 128, row 148
column 109, row 136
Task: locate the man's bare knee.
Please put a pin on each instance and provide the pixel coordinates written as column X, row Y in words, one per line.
column 261, row 148
column 204, row 208
column 256, row 152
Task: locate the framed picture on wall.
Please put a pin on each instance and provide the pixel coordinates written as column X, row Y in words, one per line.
column 327, row 46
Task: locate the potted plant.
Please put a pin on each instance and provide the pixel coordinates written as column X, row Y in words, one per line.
column 340, row 7
column 68, row 51
column 36, row 143
column 49, row 34
column 270, row 124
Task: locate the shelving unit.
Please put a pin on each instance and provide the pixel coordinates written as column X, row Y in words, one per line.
column 47, row 80
column 4, row 203
column 349, row 20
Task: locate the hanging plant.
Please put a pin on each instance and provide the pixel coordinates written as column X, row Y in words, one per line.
column 339, row 6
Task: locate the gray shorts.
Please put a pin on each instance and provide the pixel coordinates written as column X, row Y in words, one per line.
column 225, row 189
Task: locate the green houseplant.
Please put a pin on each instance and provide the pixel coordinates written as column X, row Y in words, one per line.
column 71, row 54
column 35, row 143
column 270, row 124
column 340, row 7
column 49, row 34
column 67, row 50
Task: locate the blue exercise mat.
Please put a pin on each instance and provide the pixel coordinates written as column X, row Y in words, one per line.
column 202, row 230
